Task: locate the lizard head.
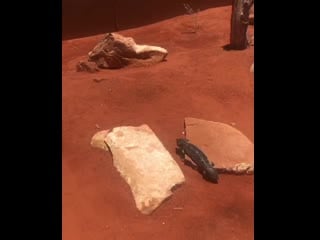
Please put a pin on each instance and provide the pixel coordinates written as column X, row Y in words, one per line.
column 181, row 142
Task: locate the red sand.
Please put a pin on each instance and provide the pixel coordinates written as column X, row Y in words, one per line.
column 199, row 79
column 82, row 18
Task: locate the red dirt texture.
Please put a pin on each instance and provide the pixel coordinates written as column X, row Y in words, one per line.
column 200, row 79
column 85, row 18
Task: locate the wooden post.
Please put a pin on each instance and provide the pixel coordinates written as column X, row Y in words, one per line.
column 239, row 24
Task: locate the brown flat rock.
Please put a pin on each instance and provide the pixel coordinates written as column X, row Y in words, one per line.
column 229, row 149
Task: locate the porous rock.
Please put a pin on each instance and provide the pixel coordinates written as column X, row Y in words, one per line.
column 117, row 51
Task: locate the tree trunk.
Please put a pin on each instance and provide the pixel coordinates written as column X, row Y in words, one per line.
column 239, row 24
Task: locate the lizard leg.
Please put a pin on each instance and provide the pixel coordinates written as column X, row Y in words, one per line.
column 190, row 164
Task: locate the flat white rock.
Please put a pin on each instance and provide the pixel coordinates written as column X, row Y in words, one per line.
column 143, row 162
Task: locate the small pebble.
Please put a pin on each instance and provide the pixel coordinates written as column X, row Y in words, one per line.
column 252, row 68
column 99, row 79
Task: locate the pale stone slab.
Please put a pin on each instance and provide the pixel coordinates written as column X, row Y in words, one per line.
column 143, row 162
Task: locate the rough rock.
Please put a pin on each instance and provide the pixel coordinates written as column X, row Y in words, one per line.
column 229, row 149
column 98, row 140
column 143, row 162
column 117, row 51
column 84, row 66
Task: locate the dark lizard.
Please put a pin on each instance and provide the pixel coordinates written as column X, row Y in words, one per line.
column 205, row 167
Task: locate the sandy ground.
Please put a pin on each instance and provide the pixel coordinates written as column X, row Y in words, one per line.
column 199, row 79
column 81, row 18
